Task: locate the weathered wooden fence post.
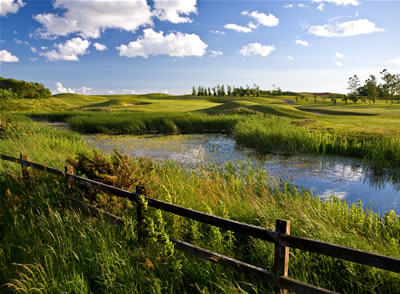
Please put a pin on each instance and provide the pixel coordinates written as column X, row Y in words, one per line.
column 140, row 210
column 281, row 263
column 25, row 173
column 69, row 170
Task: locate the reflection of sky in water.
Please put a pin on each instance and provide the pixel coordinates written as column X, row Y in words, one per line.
column 349, row 179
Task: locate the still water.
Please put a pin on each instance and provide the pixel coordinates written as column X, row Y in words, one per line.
column 347, row 178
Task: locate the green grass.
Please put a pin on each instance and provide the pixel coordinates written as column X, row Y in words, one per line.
column 141, row 123
column 46, row 247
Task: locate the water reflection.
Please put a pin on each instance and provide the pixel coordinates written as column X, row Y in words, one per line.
column 347, row 178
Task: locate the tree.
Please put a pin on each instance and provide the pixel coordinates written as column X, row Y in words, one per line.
column 193, row 91
column 391, row 86
column 354, row 85
column 371, row 87
column 12, row 88
column 209, row 92
column 229, row 90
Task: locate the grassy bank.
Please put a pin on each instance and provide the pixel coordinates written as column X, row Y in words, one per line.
column 269, row 134
column 47, row 247
column 266, row 133
column 141, row 123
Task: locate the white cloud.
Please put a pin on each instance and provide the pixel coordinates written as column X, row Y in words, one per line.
column 100, row 47
column 43, row 47
column 90, row 18
column 302, row 43
column 33, row 49
column 338, row 64
column 339, row 2
column 290, row 57
column 288, row 6
column 10, row 6
column 172, row 10
column 237, row 28
column 60, row 89
column 256, row 49
column 69, row 50
column 395, row 61
column 215, row 53
column 301, row 5
column 321, row 6
column 345, row 29
column 6, row 56
column 173, row 44
column 268, row 20
column 339, row 55
column 222, row 33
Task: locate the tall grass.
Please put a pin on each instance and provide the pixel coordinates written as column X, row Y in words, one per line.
column 140, row 123
column 46, row 247
column 271, row 134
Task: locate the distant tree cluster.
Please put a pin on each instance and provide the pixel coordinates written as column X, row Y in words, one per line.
column 219, row 91
column 389, row 89
column 10, row 88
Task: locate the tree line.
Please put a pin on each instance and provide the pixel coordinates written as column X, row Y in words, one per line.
column 389, row 89
column 220, row 91
column 11, row 88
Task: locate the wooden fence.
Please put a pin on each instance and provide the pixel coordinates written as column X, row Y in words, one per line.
column 280, row 237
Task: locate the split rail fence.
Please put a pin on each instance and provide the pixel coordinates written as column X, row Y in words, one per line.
column 281, row 237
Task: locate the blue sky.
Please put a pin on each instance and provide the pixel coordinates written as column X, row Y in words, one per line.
column 139, row 46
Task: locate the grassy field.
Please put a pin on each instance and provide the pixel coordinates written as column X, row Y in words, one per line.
column 48, row 248
column 45, row 247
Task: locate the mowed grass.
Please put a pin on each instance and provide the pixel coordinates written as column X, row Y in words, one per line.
column 46, row 247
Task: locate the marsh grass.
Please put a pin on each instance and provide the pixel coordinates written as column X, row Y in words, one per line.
column 274, row 134
column 141, row 123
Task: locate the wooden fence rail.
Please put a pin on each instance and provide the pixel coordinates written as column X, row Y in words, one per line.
column 280, row 237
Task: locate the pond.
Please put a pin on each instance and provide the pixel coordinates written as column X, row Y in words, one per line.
column 347, row 178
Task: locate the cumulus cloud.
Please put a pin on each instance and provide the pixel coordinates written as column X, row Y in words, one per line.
column 90, row 18
column 10, row 6
column 345, row 29
column 69, row 50
column 339, row 55
column 155, row 43
column 339, row 2
column 302, row 43
column 100, row 47
column 395, row 61
column 6, row 56
column 339, row 64
column 288, row 6
column 61, row 89
column 215, row 53
column 290, row 57
column 33, row 49
column 237, row 28
column 321, row 6
column 256, row 49
column 268, row 20
column 173, row 9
